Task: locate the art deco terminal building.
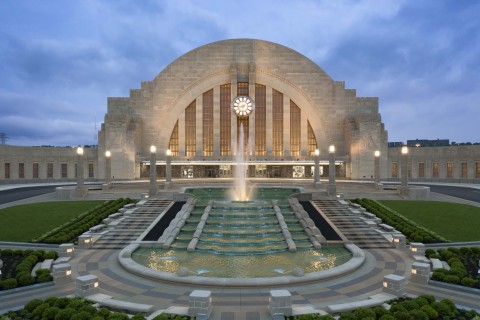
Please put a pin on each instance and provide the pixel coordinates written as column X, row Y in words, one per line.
column 197, row 106
column 287, row 106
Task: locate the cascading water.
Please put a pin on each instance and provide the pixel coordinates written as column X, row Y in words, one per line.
column 240, row 191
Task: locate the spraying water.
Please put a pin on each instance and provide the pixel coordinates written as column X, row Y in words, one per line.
column 240, row 191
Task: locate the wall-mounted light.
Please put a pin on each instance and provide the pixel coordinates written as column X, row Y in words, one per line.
column 404, row 150
column 108, row 154
column 169, row 152
column 317, row 152
column 377, row 153
column 80, row 151
column 153, row 149
column 331, row 149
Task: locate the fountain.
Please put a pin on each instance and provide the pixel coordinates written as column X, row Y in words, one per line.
column 228, row 237
column 239, row 191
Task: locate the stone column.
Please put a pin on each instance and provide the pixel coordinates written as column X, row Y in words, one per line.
column 65, row 250
column 62, row 273
column 85, row 241
column 404, row 168
column 417, row 248
column 280, row 302
column 200, row 303
column 399, row 240
column 80, row 190
column 152, row 191
column 376, row 169
column 420, row 272
column 108, row 167
column 86, row 286
column 393, row 284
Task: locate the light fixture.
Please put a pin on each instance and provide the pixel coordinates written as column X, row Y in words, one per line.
column 108, row 154
column 385, row 284
column 414, row 271
column 331, row 149
column 169, row 152
column 80, row 151
column 377, row 153
column 68, row 272
column 69, row 250
column 153, row 149
column 404, row 150
column 95, row 285
column 317, row 152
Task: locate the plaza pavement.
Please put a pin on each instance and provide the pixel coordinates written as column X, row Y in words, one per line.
column 238, row 303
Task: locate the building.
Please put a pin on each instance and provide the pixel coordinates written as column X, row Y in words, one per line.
column 286, row 106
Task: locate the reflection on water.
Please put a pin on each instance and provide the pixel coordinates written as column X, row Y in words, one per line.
column 251, row 266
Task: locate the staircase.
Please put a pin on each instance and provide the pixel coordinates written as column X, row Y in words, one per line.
column 352, row 226
column 131, row 226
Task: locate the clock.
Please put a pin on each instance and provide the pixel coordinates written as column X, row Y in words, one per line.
column 243, row 105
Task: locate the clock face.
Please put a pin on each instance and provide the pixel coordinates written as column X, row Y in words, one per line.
column 243, row 105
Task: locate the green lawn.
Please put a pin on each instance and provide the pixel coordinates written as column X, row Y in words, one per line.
column 26, row 222
column 455, row 222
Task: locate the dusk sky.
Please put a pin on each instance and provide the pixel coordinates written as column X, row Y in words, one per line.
column 60, row 60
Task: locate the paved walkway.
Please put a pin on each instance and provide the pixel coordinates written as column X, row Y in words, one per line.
column 240, row 303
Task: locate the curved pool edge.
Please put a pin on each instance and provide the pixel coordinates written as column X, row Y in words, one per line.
column 126, row 261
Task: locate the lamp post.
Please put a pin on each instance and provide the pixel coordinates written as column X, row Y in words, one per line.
column 404, row 161
column 153, row 171
column 168, row 169
column 376, row 168
column 108, row 167
column 331, row 188
column 316, row 173
column 80, row 189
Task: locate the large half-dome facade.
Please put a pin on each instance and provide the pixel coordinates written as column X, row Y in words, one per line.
column 296, row 108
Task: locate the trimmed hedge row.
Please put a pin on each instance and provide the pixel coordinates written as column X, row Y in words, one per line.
column 69, row 232
column 422, row 308
column 410, row 229
column 66, row 309
column 463, row 264
column 18, row 266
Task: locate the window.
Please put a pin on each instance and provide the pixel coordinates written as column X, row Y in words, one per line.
column 208, row 123
column 64, row 170
column 435, row 170
column 260, row 120
column 242, row 89
column 394, row 170
column 312, row 141
column 421, row 169
column 91, row 172
column 7, row 170
column 35, row 170
column 449, row 170
column 225, row 121
column 477, row 170
column 464, row 170
column 277, row 119
column 21, row 170
column 295, row 129
column 190, row 130
column 49, row 170
column 173, row 144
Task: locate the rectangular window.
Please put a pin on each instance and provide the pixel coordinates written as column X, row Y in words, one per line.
column 173, row 144
column 449, row 170
column 49, row 170
column 260, row 120
column 312, row 142
column 35, row 170
column 225, row 121
column 242, row 88
column 277, row 120
column 64, row 170
column 208, row 123
column 21, row 170
column 421, row 170
column 394, row 170
column 7, row 170
column 435, row 170
column 295, row 129
column 464, row 170
column 191, row 130
column 91, row 172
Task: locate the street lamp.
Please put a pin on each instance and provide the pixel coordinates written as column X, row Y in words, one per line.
column 168, row 169
column 404, row 161
column 108, row 167
column 376, row 167
column 153, row 171
column 316, row 173
column 331, row 188
column 80, row 189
